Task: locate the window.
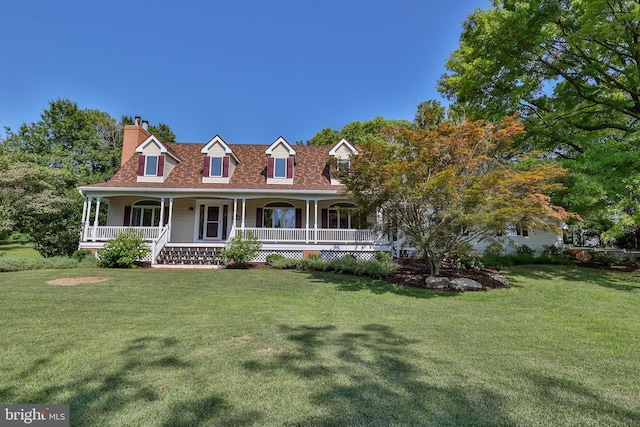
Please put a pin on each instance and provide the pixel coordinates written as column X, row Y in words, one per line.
column 343, row 215
column 216, row 167
column 145, row 214
column 280, row 168
column 343, row 165
column 279, row 215
column 151, row 166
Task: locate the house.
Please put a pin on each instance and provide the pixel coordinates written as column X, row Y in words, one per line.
column 188, row 200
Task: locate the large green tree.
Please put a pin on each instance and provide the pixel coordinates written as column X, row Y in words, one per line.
column 571, row 69
column 356, row 132
column 79, row 141
column 449, row 187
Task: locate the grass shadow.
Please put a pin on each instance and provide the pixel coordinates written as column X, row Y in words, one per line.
column 99, row 397
column 618, row 280
column 369, row 378
column 561, row 394
column 351, row 283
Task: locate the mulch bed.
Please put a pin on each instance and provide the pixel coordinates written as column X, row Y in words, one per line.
column 413, row 272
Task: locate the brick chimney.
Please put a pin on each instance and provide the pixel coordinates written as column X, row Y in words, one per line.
column 133, row 136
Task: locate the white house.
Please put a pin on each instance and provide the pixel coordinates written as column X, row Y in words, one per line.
column 188, row 200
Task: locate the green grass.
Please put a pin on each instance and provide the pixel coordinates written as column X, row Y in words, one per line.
column 19, row 250
column 561, row 346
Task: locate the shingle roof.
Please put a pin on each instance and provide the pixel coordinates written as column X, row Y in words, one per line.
column 311, row 170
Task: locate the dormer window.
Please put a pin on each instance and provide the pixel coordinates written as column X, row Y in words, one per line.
column 219, row 162
column 344, row 165
column 155, row 162
column 340, row 162
column 280, row 163
column 280, row 168
column 151, row 166
column 216, row 167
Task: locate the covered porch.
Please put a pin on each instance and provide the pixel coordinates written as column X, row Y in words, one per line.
column 283, row 225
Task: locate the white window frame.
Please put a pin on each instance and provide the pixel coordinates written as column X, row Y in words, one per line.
column 211, row 174
column 275, row 167
column 146, row 165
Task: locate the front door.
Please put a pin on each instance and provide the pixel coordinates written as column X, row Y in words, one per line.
column 213, row 221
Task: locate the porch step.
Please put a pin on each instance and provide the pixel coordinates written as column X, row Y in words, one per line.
column 189, row 256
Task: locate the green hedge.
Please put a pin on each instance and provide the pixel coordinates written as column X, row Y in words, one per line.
column 348, row 264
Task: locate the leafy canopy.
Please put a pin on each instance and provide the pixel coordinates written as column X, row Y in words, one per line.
column 448, row 187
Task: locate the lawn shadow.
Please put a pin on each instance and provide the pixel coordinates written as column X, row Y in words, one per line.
column 351, row 283
column 561, row 395
column 129, row 379
column 368, row 377
column 601, row 277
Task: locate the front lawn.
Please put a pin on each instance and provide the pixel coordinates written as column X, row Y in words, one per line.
column 561, row 346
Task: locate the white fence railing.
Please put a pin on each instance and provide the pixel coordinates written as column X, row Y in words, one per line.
column 324, row 235
column 108, row 232
column 158, row 244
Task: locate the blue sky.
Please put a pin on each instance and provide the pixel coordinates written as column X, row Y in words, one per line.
column 247, row 70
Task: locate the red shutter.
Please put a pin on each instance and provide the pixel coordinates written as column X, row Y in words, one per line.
column 525, row 232
column 270, row 167
column 333, row 168
column 225, row 167
column 325, row 218
column 259, row 217
column 290, row 167
column 298, row 218
column 160, row 165
column 127, row 216
column 206, row 166
column 141, row 165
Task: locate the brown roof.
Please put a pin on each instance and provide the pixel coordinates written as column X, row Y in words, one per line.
column 310, row 173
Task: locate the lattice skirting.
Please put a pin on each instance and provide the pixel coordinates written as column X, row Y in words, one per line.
column 325, row 254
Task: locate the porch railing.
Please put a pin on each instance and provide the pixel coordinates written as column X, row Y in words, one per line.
column 324, row 235
column 158, row 244
column 103, row 233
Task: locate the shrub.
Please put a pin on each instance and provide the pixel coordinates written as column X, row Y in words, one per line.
column 525, row 250
column 241, row 249
column 552, row 250
column 123, row 251
column 273, row 257
column 81, row 254
column 285, row 263
column 605, row 259
column 383, row 257
column 494, row 248
column 470, row 262
column 314, row 262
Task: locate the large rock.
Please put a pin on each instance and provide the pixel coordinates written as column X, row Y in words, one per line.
column 464, row 284
column 437, row 283
column 499, row 278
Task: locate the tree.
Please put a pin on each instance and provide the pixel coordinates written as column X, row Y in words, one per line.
column 455, row 185
column 161, row 131
column 67, row 137
column 571, row 69
column 34, row 201
column 356, row 131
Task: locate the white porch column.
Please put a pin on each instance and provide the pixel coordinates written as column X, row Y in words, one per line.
column 95, row 221
column 315, row 221
column 170, row 219
column 244, row 212
column 85, row 224
column 306, row 231
column 161, row 219
column 235, row 212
